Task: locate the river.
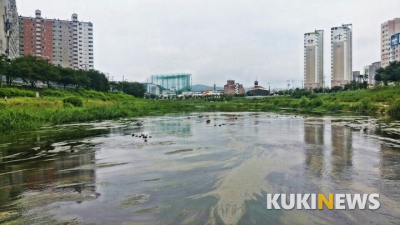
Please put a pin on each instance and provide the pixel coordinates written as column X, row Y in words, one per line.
column 191, row 172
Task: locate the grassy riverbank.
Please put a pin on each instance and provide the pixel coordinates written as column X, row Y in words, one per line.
column 24, row 110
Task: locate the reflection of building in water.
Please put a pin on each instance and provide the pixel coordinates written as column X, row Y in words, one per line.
column 314, row 158
column 82, row 175
column 171, row 126
column 22, row 176
column 389, row 163
column 314, row 134
column 342, row 152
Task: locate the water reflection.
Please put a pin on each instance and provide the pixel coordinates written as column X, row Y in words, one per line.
column 173, row 126
column 194, row 172
column 342, row 154
column 389, row 161
column 314, row 156
column 36, row 160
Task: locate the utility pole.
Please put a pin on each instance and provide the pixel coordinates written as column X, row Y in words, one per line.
column 8, row 31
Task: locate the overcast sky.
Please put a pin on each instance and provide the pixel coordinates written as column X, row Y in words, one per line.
column 216, row 40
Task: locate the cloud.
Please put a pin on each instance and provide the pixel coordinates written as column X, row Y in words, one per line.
column 219, row 40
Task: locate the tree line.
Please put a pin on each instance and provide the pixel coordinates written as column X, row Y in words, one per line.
column 32, row 69
column 389, row 74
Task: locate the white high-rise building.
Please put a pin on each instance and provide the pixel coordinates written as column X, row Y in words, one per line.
column 82, row 44
column 341, row 54
column 314, row 59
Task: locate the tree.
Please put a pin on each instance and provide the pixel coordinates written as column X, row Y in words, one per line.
column 379, row 75
column 19, row 68
column 46, row 71
column 82, row 79
column 31, row 69
column 67, row 76
column 98, row 80
column 134, row 88
column 391, row 73
column 4, row 67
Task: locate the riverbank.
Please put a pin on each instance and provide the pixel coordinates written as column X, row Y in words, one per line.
column 24, row 110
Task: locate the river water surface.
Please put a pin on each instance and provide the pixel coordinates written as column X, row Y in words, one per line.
column 191, row 172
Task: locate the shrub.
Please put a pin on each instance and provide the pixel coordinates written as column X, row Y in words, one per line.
column 68, row 105
column 53, row 93
column 229, row 98
column 334, row 106
column 394, row 109
column 294, row 105
column 316, row 102
column 303, row 102
column 15, row 92
column 75, row 101
column 365, row 105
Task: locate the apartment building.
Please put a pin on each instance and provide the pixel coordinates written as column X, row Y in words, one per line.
column 314, row 59
column 9, row 29
column 64, row 43
column 341, row 54
column 389, row 52
column 369, row 70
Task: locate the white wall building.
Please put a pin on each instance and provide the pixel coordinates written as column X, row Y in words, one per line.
column 314, row 59
column 341, row 55
column 82, row 36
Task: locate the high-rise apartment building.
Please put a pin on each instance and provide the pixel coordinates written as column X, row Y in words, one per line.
column 389, row 52
column 65, row 43
column 314, row 59
column 341, row 54
column 9, row 29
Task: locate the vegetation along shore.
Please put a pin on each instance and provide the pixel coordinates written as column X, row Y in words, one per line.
column 90, row 95
column 24, row 110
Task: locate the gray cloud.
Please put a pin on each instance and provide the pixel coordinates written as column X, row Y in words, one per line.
column 219, row 40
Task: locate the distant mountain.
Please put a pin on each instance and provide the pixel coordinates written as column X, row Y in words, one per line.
column 201, row 87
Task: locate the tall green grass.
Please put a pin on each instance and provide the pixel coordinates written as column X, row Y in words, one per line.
column 24, row 110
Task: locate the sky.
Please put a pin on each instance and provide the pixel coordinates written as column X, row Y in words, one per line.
column 217, row 40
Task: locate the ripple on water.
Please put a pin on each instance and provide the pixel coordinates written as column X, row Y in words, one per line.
column 133, row 200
